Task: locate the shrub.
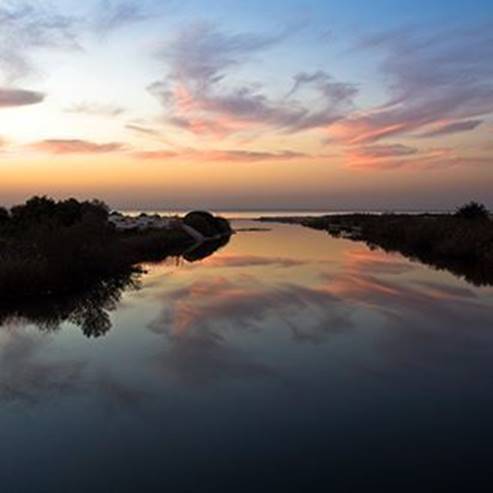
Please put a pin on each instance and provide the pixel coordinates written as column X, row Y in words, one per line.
column 473, row 210
column 50, row 248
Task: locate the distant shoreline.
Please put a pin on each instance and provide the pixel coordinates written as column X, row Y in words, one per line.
column 461, row 245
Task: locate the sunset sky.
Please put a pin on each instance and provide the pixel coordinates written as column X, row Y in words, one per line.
column 248, row 104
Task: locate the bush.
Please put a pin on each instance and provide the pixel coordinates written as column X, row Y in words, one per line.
column 52, row 248
column 4, row 215
column 473, row 210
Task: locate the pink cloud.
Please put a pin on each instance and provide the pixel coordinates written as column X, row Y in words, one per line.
column 75, row 146
column 201, row 100
column 222, row 155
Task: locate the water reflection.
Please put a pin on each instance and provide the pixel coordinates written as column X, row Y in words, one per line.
column 88, row 309
column 206, row 249
column 24, row 375
column 285, row 351
column 199, row 319
column 478, row 273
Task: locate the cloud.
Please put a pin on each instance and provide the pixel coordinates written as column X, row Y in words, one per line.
column 211, row 305
column 141, row 129
column 434, row 77
column 27, row 27
column 113, row 15
column 379, row 155
column 96, row 109
column 25, row 375
column 427, row 159
column 376, row 262
column 19, row 97
column 156, row 155
column 75, row 146
column 383, row 151
column 235, row 261
column 437, row 302
column 219, row 155
column 198, row 93
column 452, row 128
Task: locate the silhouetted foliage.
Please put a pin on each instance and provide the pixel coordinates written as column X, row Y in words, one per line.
column 473, row 210
column 50, row 247
column 4, row 215
column 63, row 213
column 452, row 242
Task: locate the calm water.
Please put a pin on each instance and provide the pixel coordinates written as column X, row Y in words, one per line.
column 286, row 361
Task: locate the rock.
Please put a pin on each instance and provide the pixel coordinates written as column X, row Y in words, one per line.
column 207, row 225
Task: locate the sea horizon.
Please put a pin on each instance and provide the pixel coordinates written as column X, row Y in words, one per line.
column 252, row 214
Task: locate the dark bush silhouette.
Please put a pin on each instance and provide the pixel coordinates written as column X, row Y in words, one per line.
column 49, row 247
column 473, row 210
column 452, row 242
column 55, row 248
column 64, row 213
column 4, row 215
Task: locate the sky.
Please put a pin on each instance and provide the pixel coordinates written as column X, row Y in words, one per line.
column 252, row 104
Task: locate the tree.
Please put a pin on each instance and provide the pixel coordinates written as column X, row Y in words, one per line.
column 4, row 215
column 472, row 210
column 34, row 210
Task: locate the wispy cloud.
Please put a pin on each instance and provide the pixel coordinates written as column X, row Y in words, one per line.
column 96, row 109
column 202, row 99
column 204, row 306
column 142, row 129
column 452, row 128
column 75, row 146
column 383, row 151
column 222, row 155
column 379, row 156
column 235, row 261
column 27, row 378
column 26, row 27
column 427, row 159
column 113, row 15
column 435, row 77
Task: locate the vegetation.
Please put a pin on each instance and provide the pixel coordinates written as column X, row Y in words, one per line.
column 461, row 243
column 49, row 247
column 473, row 211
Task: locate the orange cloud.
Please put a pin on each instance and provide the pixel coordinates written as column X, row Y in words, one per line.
column 222, row 156
column 386, row 157
column 357, row 131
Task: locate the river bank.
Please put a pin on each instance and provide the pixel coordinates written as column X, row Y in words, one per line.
column 50, row 248
column 459, row 244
